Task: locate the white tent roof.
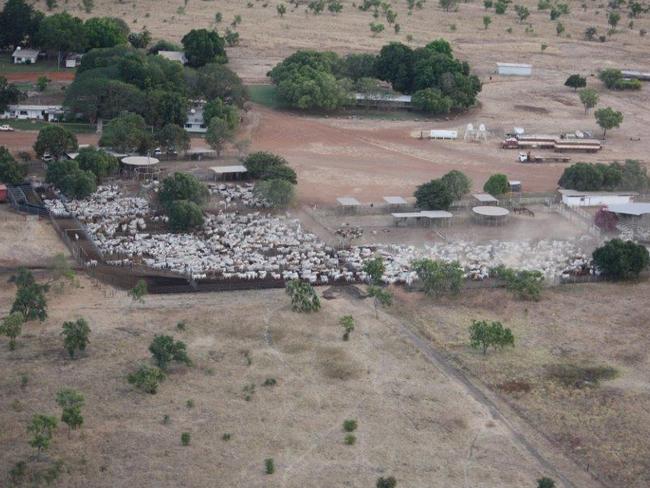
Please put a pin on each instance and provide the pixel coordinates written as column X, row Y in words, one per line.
column 348, row 201
column 637, row 209
column 395, row 200
column 428, row 214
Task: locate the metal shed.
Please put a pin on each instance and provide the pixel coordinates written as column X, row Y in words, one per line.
column 514, row 69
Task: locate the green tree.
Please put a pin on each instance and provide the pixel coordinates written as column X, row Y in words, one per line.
column 105, row 32
column 484, row 334
column 139, row 291
column 140, row 40
column 98, row 162
column 41, row 83
column 173, row 138
column 30, row 302
column 278, row 192
column 9, row 94
column 164, row 350
column 360, row 65
column 432, row 101
column 613, row 18
column 75, row 336
column 166, row 107
column 576, row 81
column 434, row 195
column 588, row 98
column 12, row 327
column 522, row 12
column 127, row 133
column 62, row 33
column 525, row 284
column 19, row 22
column 608, row 118
column 303, row 296
column 281, row 8
column 347, row 322
column 71, row 402
column 218, row 134
column 55, row 141
column 380, row 296
column 217, row 108
column 216, row 81
column 41, row 428
column 458, row 183
column 610, row 77
column 487, row 20
column 620, row 260
column 389, row 482
column 590, row 33
column 184, row 216
column 439, row 277
column 182, row 186
column 447, row 4
column 497, row 184
column 500, row 7
column 559, row 28
column 70, row 179
column 203, row 46
column 11, row 171
column 261, row 164
column 146, row 378
column 545, row 483
column 375, row 269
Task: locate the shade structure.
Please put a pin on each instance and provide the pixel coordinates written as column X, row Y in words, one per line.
column 428, row 216
column 484, row 198
column 139, row 161
column 348, row 201
column 490, row 214
column 395, row 200
column 224, row 172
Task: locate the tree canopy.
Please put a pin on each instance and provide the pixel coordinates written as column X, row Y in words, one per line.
column 61, row 32
column 497, row 184
column 434, row 195
column 11, row 172
column 184, row 215
column 203, row 46
column 182, row 186
column 458, row 183
column 439, row 277
column 278, row 192
column 576, row 81
column 266, row 166
column 629, row 176
column 68, row 177
column 484, row 334
column 55, row 141
column 97, row 161
column 608, row 118
column 127, row 133
column 9, row 94
column 621, row 260
column 19, row 21
column 105, row 32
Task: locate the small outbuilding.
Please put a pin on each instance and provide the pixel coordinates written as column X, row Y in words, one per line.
column 575, row 198
column 395, row 201
column 234, row 172
column 428, row 217
column 73, row 60
column 485, row 198
column 141, row 166
column 515, row 185
column 514, row 69
column 24, row 56
column 348, row 204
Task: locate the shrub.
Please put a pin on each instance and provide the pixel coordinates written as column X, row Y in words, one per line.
column 278, row 192
column 185, row 438
column 497, row 184
column 526, row 285
column 303, row 296
column 349, row 425
column 375, row 269
column 434, row 195
column 11, row 172
column 389, row 482
column 347, row 322
column 139, row 291
column 12, row 327
column 500, row 7
column 146, row 378
column 545, row 483
column 621, row 260
column 71, row 402
column 269, row 466
column 270, row 382
column 484, row 334
column 439, row 277
column 164, row 350
column 184, row 216
column 41, row 428
column 75, row 336
column 576, row 81
column 350, row 439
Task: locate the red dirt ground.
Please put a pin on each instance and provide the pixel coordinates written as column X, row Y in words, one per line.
column 33, row 76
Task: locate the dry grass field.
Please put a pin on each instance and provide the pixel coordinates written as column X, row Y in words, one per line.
column 604, row 426
column 414, row 422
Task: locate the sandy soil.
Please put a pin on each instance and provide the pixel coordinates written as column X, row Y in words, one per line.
column 414, row 423
column 27, row 241
column 605, row 428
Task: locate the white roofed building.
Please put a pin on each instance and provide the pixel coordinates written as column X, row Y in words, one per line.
column 24, row 56
column 174, row 56
column 49, row 113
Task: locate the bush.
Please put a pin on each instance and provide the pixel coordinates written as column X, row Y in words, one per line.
column 439, row 277
column 484, row 334
column 576, row 81
column 435, row 195
column 11, row 172
column 279, row 193
column 349, row 425
column 303, row 296
column 182, row 186
column 164, row 350
column 497, row 184
column 75, row 336
column 526, row 285
column 621, row 260
column 184, row 216
column 146, row 378
column 350, row 439
column 389, row 482
column 269, row 466
column 185, row 438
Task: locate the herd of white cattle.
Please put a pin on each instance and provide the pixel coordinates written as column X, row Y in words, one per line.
column 257, row 245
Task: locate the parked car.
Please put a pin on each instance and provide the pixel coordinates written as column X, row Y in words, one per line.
column 6, row 128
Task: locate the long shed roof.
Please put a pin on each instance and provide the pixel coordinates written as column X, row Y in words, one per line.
column 637, row 209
